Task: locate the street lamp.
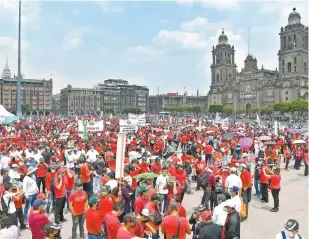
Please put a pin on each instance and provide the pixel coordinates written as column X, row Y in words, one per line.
column 19, row 112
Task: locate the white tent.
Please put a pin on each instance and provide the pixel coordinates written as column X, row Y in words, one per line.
column 4, row 112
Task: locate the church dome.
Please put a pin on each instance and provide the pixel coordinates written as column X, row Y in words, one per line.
column 294, row 17
column 223, row 38
column 6, row 73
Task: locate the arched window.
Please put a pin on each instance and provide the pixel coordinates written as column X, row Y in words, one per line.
column 218, row 77
column 283, row 62
column 305, row 67
column 230, row 77
column 289, row 67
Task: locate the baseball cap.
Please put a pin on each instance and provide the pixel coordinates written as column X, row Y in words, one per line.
column 93, row 200
column 146, row 213
column 206, row 215
column 14, row 165
column 51, row 227
column 129, row 218
column 37, row 203
column 233, row 169
column 78, row 184
column 243, row 165
column 155, row 196
column 229, row 203
column 218, row 185
column 244, row 155
column 143, row 189
column 235, row 189
column 291, row 225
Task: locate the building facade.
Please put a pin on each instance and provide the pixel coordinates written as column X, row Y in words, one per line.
column 56, row 103
column 254, row 87
column 36, row 95
column 158, row 102
column 113, row 94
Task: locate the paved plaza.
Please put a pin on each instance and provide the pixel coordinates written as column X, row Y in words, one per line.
column 261, row 224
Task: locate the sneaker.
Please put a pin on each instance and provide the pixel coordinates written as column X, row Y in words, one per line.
column 274, row 210
column 63, row 220
column 23, row 227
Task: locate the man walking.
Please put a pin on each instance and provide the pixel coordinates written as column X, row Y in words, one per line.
column 60, row 196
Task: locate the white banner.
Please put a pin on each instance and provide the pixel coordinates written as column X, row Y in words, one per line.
column 121, row 147
column 141, row 119
column 218, row 118
column 225, row 122
column 276, row 127
column 258, row 119
column 92, row 126
column 2, row 119
column 128, row 126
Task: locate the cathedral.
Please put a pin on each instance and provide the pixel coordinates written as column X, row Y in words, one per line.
column 254, row 87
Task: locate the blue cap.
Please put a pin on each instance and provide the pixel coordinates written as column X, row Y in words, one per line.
column 235, row 189
column 37, row 203
column 218, row 184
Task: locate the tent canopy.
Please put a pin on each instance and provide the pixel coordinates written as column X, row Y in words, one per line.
column 4, row 112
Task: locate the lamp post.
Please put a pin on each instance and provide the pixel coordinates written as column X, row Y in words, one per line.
column 19, row 112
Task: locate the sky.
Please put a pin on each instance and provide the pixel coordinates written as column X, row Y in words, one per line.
column 164, row 45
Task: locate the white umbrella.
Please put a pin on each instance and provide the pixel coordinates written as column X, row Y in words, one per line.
column 264, row 138
column 299, row 141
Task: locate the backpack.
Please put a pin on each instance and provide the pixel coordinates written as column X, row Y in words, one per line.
column 4, row 210
column 202, row 179
column 157, row 218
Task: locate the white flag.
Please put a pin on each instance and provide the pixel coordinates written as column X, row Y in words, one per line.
column 276, row 128
column 258, row 119
column 218, row 118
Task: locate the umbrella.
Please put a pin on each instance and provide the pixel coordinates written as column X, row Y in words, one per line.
column 209, row 132
column 299, row 141
column 245, row 143
column 264, row 138
column 146, row 175
column 229, row 136
column 269, row 143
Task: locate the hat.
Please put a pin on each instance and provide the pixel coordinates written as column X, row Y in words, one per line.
column 14, row 165
column 93, row 200
column 127, row 179
column 105, row 189
column 31, row 170
column 221, row 198
column 145, row 212
column 291, row 225
column 235, row 189
column 229, row 203
column 244, row 155
column 51, row 227
column 243, row 165
column 78, row 184
column 155, row 196
column 37, row 203
column 206, row 215
column 129, row 218
column 233, row 169
column 143, row 189
column 218, row 184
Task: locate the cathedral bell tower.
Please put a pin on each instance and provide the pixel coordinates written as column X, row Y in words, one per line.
column 223, row 67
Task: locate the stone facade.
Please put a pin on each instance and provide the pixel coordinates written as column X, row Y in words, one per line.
column 253, row 87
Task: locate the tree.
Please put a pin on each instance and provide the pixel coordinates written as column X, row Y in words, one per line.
column 228, row 110
column 268, row 109
column 215, row 108
column 108, row 110
column 240, row 111
column 132, row 110
column 25, row 107
column 254, row 110
column 282, row 107
column 299, row 105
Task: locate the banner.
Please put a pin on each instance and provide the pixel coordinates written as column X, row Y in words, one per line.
column 128, row 126
column 90, row 126
column 2, row 119
column 121, row 147
column 225, row 122
column 258, row 119
column 141, row 119
column 276, row 127
column 218, row 118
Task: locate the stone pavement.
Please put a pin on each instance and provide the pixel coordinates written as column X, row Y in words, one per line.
column 261, row 224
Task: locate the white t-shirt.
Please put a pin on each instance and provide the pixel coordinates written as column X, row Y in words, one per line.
column 219, row 215
column 92, row 155
column 279, row 236
column 11, row 206
column 133, row 155
column 237, row 202
column 233, row 180
column 112, row 183
column 10, row 233
column 161, row 182
column 5, row 161
column 70, row 160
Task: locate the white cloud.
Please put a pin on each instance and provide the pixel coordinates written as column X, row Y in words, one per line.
column 201, row 24
column 74, row 38
column 73, row 43
column 220, row 5
column 107, row 7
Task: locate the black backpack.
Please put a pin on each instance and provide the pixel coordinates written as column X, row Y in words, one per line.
column 202, row 179
column 4, row 210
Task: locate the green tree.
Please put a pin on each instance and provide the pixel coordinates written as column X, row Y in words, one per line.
column 299, row 105
column 268, row 109
column 254, row 110
column 240, row 111
column 25, row 107
column 282, row 107
column 215, row 108
column 228, row 110
column 132, row 110
column 108, row 110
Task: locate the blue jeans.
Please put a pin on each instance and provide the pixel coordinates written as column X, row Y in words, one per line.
column 96, row 185
column 163, row 199
column 94, row 236
column 68, row 194
column 29, row 203
column 50, row 203
column 257, row 187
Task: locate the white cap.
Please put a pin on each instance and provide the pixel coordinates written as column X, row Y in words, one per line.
column 233, row 169
column 14, row 165
column 244, row 155
column 229, row 203
column 243, row 165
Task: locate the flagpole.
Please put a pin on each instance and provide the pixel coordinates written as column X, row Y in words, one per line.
column 19, row 112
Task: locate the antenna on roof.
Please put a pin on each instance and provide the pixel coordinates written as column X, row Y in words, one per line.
column 249, row 41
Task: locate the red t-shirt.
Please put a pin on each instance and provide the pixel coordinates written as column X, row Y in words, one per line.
column 105, row 206
column 170, row 226
column 112, row 226
column 48, row 179
column 62, row 192
column 246, row 178
column 134, row 181
column 275, row 181
column 208, row 149
column 41, row 170
column 124, row 234
column 37, row 222
column 93, row 222
column 263, row 178
column 181, row 176
column 156, row 168
column 84, row 173
column 18, row 201
column 139, row 204
column 78, row 199
column 69, row 182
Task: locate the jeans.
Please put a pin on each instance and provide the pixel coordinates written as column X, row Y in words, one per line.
column 287, row 161
column 257, row 187
column 94, row 236
column 29, row 203
column 225, row 160
column 275, row 193
column 20, row 217
column 264, row 191
column 60, row 203
column 207, row 158
column 39, row 181
column 50, row 201
column 306, row 170
column 96, row 184
column 297, row 163
column 156, row 236
column 13, row 219
column 78, row 220
column 68, row 194
column 163, row 199
column 206, row 198
column 87, row 187
column 246, row 197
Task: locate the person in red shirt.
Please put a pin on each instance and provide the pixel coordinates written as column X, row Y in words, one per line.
column 144, row 166
column 60, row 196
column 41, row 173
column 199, row 166
column 37, row 219
column 78, row 203
column 275, row 179
column 125, row 232
column 106, row 204
column 69, row 184
column 141, row 200
column 264, row 182
column 298, row 157
column 50, row 175
column 247, row 182
column 85, row 174
column 305, row 157
column 156, row 168
column 112, row 222
column 174, row 225
column 93, row 222
column 18, row 201
column 208, row 152
column 181, row 177
column 184, row 140
column 181, row 210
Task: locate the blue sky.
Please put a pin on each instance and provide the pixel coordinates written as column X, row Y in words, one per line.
column 157, row 44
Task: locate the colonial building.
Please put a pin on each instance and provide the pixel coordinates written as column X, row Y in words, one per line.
column 157, row 102
column 56, row 103
column 254, row 87
column 36, row 95
column 114, row 94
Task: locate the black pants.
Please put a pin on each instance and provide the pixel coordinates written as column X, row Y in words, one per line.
column 246, row 197
column 207, row 158
column 13, row 219
column 275, row 193
column 264, row 191
column 306, row 170
column 87, row 187
column 206, row 198
column 20, row 217
column 40, row 180
column 287, row 161
column 60, row 203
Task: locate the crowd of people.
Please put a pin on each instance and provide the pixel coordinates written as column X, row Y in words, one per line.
column 48, row 169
